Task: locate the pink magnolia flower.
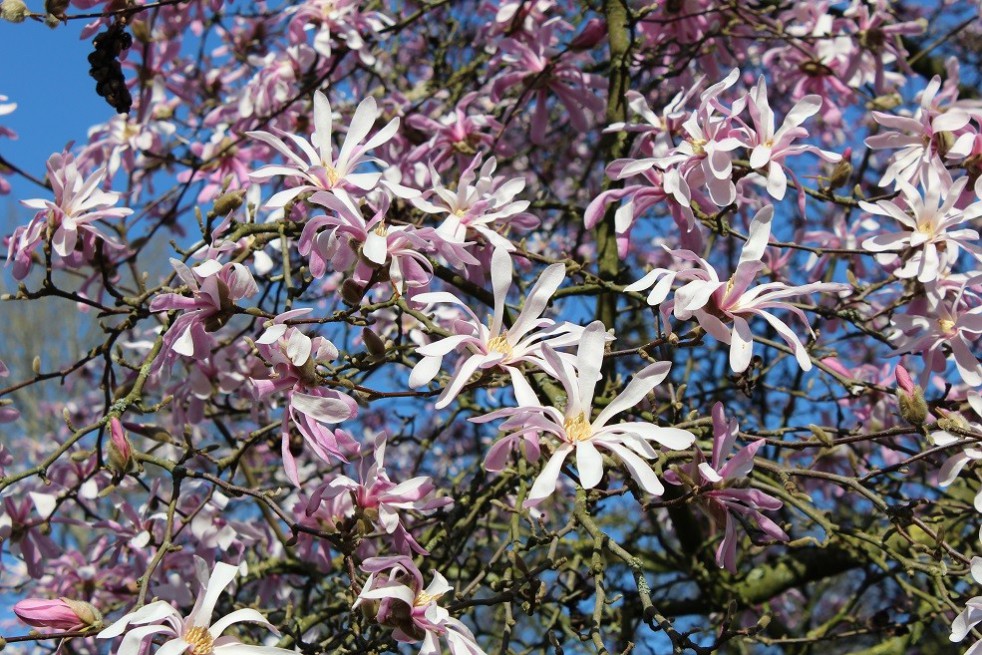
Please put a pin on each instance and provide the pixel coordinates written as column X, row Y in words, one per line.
column 929, row 245
column 375, row 249
column 704, row 153
column 492, row 346
column 399, row 601
column 769, row 147
column 195, row 633
column 942, row 324
column 318, row 168
column 67, row 220
column 378, row 498
column 539, row 67
column 720, row 488
column 279, row 75
column 481, row 206
column 22, row 531
column 295, row 357
column 576, row 431
column 336, row 21
column 919, row 139
column 226, row 165
column 459, row 132
column 59, row 614
column 712, row 301
column 214, row 288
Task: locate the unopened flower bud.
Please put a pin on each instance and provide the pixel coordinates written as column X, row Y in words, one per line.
column 58, row 614
column 842, row 172
column 119, row 450
column 822, row 435
column 374, row 344
column 14, row 11
column 910, row 397
column 593, row 33
column 227, row 203
column 351, row 292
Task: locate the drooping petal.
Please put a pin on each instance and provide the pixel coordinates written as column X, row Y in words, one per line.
column 589, row 464
column 640, row 385
column 545, row 483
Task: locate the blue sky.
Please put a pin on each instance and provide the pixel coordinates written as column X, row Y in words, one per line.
column 45, row 71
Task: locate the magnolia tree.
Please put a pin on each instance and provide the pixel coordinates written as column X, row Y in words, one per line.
column 531, row 326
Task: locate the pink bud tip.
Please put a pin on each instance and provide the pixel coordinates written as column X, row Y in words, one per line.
column 45, row 613
column 118, row 436
column 903, row 379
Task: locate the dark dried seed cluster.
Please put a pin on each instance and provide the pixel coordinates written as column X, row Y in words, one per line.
column 108, row 74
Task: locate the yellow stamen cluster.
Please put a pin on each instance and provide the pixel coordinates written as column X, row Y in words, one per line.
column 332, row 174
column 424, row 598
column 578, row 428
column 500, row 345
column 200, row 640
column 947, row 325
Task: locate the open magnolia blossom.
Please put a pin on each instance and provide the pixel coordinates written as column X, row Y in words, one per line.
column 70, row 220
column 490, row 346
column 714, row 302
column 378, row 499
column 399, row 601
column 929, row 245
column 194, row 634
column 295, row 357
column 318, row 168
column 769, row 147
column 721, row 488
column 480, row 204
column 575, row 431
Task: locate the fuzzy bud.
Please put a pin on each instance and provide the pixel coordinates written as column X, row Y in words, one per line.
column 842, row 172
column 14, row 11
column 352, row 292
column 374, row 345
column 910, row 397
column 227, row 203
column 822, row 435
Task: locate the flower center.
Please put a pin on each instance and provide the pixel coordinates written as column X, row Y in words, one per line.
column 500, row 345
column 424, row 598
column 200, row 640
column 578, row 428
column 332, row 175
column 947, row 325
column 698, row 146
column 381, row 230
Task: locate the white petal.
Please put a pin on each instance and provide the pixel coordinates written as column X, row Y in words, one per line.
column 589, row 464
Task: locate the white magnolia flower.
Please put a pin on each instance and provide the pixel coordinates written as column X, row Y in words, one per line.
column 494, row 346
column 318, row 167
column 576, row 432
column 194, row 634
